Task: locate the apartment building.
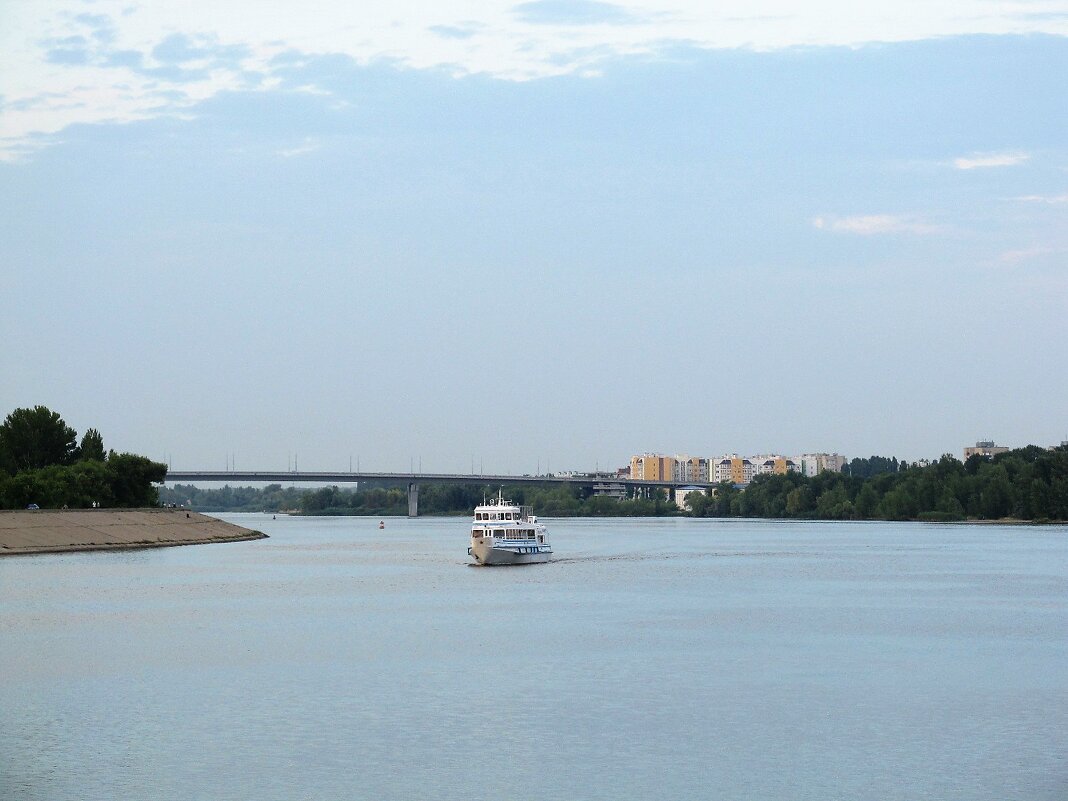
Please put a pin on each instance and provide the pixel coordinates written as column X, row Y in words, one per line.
column 985, row 448
column 652, row 467
column 776, row 465
column 657, row 467
column 812, row 464
column 733, row 468
column 691, row 468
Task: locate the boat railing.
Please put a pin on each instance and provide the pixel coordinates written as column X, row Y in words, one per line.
column 526, row 513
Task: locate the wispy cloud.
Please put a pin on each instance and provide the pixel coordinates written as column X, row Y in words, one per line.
column 1048, row 199
column 1027, row 254
column 307, row 146
column 872, row 224
column 980, row 160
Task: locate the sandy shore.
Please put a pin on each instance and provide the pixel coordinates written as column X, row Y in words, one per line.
column 52, row 531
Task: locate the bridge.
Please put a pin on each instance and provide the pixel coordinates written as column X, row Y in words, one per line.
column 413, row 480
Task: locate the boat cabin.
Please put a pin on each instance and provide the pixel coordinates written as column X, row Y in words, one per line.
column 504, row 520
column 515, row 513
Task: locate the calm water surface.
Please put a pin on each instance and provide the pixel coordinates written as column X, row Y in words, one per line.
column 655, row 659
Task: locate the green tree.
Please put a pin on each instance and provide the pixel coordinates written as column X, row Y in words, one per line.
column 995, row 499
column 698, row 503
column 897, row 504
column 132, row 478
column 799, row 502
column 834, row 505
column 92, row 446
column 948, row 505
column 867, row 500
column 872, row 466
column 35, row 438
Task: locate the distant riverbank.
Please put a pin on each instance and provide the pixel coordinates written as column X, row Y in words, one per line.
column 58, row 531
column 1026, row 484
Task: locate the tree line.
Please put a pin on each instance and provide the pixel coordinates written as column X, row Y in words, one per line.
column 377, row 499
column 1028, row 484
column 43, row 462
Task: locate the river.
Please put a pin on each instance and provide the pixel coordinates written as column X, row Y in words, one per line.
column 654, row 659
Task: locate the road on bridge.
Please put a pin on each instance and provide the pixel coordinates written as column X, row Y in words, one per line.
column 412, row 480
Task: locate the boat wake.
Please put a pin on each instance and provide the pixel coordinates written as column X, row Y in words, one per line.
column 658, row 557
column 663, row 557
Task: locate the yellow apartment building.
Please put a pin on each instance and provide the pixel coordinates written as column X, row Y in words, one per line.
column 652, row 467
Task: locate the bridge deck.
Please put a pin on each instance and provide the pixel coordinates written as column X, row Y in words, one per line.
column 282, row 477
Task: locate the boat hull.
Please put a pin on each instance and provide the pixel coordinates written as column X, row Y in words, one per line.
column 488, row 555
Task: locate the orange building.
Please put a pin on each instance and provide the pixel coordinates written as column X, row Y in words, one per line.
column 652, row 467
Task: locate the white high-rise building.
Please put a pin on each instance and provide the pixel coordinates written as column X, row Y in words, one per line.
column 812, row 464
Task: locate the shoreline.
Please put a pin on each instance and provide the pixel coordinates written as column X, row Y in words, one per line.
column 1003, row 521
column 26, row 532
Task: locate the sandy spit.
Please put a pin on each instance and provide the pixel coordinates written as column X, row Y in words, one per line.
column 56, row 531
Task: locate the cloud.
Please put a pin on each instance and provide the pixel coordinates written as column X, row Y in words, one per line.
column 981, row 160
column 1027, row 254
column 126, row 51
column 872, row 224
column 1048, row 199
column 308, row 146
column 572, row 12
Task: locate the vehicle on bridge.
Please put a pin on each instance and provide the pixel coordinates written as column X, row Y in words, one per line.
column 503, row 533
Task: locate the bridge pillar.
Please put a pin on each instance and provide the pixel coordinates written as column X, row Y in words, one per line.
column 413, row 499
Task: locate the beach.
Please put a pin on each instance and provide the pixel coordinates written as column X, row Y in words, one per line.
column 53, row 531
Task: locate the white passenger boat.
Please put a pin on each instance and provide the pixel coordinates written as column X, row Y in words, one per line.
column 505, row 534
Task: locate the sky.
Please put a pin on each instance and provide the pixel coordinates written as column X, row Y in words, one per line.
column 512, row 237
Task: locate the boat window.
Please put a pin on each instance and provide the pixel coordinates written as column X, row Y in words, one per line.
column 541, row 538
